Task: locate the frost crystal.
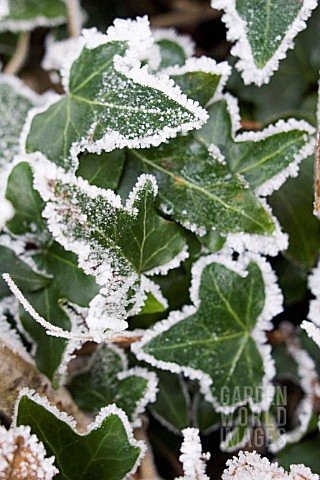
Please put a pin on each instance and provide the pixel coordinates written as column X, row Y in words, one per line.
column 251, row 466
column 22, row 456
column 192, row 458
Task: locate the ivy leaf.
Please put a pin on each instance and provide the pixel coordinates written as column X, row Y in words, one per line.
column 263, row 31
column 205, row 417
column 236, row 438
column 24, row 15
column 102, row 170
column 22, row 274
column 15, row 102
column 106, row 451
column 219, row 340
column 306, row 451
column 111, row 103
column 293, row 206
column 116, row 244
column 198, row 190
column 174, row 48
column 107, row 380
column 152, row 305
column 49, row 350
column 264, row 158
column 71, row 281
column 172, row 406
column 299, row 72
column 292, row 279
column 201, row 79
column 26, row 201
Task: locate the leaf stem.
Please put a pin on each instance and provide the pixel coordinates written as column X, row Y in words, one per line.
column 74, row 17
column 17, row 60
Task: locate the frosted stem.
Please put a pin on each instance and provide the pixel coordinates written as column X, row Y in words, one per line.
column 74, row 18
column 55, row 331
column 19, row 56
column 50, row 329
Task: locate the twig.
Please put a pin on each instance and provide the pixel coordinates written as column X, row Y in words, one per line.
column 74, row 18
column 19, row 56
column 16, row 373
column 317, row 180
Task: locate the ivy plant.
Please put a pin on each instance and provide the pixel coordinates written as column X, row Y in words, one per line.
column 156, row 258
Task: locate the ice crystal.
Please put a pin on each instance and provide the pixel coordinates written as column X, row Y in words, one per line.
column 22, row 456
column 192, row 458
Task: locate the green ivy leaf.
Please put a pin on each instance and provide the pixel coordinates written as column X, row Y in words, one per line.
column 68, row 282
column 264, row 158
column 15, row 102
column 106, row 451
column 264, row 31
column 218, row 340
column 110, row 104
column 293, row 280
column 205, row 416
column 174, row 48
column 299, row 72
column 49, row 350
column 305, row 451
column 23, row 15
column 172, row 406
column 152, row 305
column 107, row 380
column 102, row 170
column 236, row 438
column 73, row 284
column 71, row 281
column 27, row 279
column 201, row 79
column 26, row 201
column 198, row 190
column 116, row 244
column 293, row 206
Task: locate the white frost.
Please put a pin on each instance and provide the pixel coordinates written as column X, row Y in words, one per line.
column 31, row 455
column 251, row 466
column 192, row 459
